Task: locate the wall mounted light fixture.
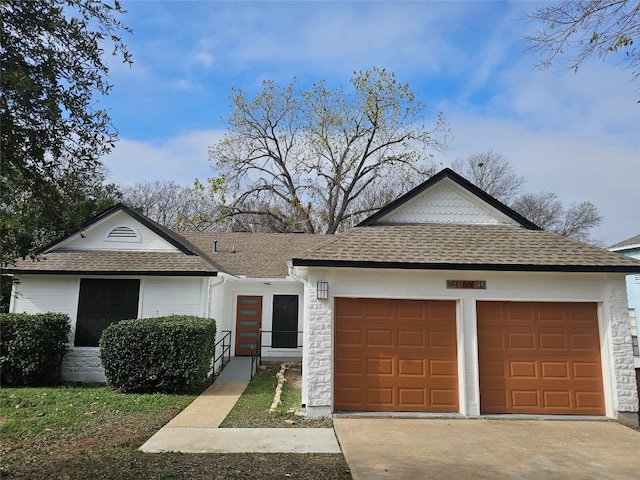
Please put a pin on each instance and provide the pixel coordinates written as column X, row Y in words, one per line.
column 322, row 291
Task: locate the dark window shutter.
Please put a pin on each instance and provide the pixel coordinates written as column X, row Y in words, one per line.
column 101, row 303
column 285, row 321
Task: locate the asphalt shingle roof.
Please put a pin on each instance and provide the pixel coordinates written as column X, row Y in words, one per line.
column 256, row 255
column 629, row 242
column 87, row 261
column 492, row 247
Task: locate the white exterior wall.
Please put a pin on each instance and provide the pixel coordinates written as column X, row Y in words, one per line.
column 224, row 298
column 94, row 238
column 607, row 290
column 159, row 296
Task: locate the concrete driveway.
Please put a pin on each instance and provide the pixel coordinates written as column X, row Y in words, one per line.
column 488, row 449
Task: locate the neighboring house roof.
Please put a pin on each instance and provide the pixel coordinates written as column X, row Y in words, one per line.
column 463, row 247
column 255, row 255
column 628, row 244
column 88, row 262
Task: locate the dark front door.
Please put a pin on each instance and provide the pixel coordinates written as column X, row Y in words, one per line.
column 248, row 323
column 101, row 303
column 285, row 321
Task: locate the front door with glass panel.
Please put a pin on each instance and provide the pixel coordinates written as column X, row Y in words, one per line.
column 248, row 323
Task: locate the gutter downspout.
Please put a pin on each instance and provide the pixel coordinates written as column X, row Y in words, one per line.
column 304, row 279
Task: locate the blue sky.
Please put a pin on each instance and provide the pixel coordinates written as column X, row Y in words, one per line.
column 575, row 134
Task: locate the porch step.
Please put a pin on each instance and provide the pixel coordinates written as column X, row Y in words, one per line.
column 237, row 370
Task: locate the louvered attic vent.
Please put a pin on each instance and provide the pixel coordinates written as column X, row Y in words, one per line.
column 123, row 234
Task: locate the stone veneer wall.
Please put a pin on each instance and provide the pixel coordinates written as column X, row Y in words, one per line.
column 319, row 347
column 622, row 352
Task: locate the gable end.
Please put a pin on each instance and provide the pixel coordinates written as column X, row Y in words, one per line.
column 403, row 201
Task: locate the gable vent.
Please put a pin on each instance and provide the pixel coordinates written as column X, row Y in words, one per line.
column 123, row 234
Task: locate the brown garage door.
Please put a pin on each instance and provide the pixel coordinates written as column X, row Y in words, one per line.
column 539, row 358
column 395, row 355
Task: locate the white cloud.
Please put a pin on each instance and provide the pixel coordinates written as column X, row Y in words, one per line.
column 182, row 158
column 577, row 168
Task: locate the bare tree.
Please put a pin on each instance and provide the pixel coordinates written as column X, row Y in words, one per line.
column 587, row 28
column 303, row 159
column 492, row 173
column 172, row 205
column 547, row 211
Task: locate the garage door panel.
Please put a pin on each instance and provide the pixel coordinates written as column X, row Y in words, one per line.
column 349, row 366
column 442, row 340
column 402, row 362
column 556, row 400
column 380, row 397
column 561, row 374
column 521, row 341
column 349, row 337
column 443, row 399
column 411, row 367
column 520, row 370
column 586, row 342
column 377, row 309
column 411, row 338
column 380, row 366
column 558, row 370
column 525, row 399
column 380, row 338
column 443, row 368
column 586, row 370
column 587, row 400
column 552, row 341
column 411, row 396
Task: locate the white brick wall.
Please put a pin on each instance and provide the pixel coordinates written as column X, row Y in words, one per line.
column 82, row 365
column 616, row 309
column 319, row 351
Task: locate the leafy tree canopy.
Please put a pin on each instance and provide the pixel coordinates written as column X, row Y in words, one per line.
column 53, row 131
column 304, row 160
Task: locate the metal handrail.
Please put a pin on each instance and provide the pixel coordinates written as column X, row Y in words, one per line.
column 257, row 346
column 226, row 348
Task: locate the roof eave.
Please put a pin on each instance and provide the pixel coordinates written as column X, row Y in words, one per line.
column 298, row 262
column 149, row 273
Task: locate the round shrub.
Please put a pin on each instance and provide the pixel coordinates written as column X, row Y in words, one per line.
column 165, row 354
column 32, row 347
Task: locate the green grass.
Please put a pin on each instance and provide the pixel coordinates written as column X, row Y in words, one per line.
column 38, row 414
column 252, row 408
column 94, row 433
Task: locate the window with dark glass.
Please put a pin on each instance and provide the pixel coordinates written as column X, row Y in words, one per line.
column 284, row 324
column 101, row 303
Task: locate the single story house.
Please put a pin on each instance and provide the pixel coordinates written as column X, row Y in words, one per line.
column 444, row 301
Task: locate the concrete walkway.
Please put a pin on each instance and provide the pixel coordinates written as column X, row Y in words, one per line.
column 195, row 429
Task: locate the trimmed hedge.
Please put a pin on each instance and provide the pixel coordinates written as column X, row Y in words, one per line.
column 165, row 354
column 32, row 347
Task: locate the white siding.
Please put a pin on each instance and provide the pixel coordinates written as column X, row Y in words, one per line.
column 42, row 293
column 167, row 296
column 94, row 238
column 159, row 296
column 603, row 289
column 447, row 202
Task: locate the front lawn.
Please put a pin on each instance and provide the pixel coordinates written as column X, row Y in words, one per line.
column 252, row 408
column 92, row 432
